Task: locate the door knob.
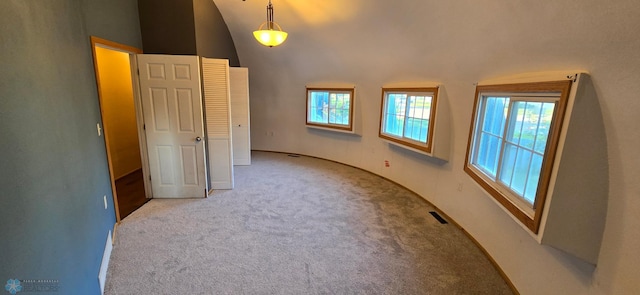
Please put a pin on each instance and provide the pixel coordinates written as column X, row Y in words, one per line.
column 198, row 139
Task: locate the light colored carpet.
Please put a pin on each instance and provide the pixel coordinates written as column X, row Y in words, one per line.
column 297, row 225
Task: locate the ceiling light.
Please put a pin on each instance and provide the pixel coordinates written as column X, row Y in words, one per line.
column 269, row 33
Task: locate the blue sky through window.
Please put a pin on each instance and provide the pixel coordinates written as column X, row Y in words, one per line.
column 407, row 116
column 329, row 107
column 518, row 151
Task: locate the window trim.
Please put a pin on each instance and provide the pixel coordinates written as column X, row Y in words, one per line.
column 548, row 162
column 404, row 141
column 336, row 127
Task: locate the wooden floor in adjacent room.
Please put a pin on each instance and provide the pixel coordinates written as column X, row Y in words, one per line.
column 130, row 190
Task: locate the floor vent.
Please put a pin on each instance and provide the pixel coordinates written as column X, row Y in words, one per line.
column 293, row 155
column 438, row 217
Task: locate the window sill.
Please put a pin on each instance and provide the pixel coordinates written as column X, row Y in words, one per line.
column 405, row 147
column 338, row 130
column 440, row 135
column 575, row 207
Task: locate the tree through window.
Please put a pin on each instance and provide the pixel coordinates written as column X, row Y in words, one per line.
column 513, row 141
column 330, row 108
column 408, row 115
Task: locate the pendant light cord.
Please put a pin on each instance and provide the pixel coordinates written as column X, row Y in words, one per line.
column 270, row 16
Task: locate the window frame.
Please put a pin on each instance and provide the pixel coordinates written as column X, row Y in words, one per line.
column 528, row 215
column 337, row 127
column 420, row 146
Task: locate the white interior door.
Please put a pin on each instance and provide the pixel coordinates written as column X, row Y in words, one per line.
column 215, row 79
column 241, row 138
column 172, row 106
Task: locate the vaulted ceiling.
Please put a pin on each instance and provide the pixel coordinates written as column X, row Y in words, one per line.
column 455, row 43
column 438, row 38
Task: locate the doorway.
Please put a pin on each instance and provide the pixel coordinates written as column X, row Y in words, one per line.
column 121, row 124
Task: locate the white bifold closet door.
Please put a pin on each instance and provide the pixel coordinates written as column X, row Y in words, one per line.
column 241, row 137
column 215, row 80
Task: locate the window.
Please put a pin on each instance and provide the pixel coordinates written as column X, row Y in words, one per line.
column 330, row 108
column 407, row 116
column 512, row 144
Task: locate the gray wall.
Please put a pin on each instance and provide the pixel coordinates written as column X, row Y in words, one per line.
column 167, row 26
column 114, row 20
column 212, row 35
column 53, row 168
column 186, row 27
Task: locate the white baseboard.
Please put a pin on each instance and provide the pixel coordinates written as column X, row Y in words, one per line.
column 102, row 275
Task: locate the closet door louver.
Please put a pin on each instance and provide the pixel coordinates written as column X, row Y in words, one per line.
column 215, row 78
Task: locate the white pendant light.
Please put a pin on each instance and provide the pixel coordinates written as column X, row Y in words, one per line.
column 269, row 33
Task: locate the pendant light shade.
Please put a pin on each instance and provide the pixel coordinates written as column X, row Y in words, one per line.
column 269, row 33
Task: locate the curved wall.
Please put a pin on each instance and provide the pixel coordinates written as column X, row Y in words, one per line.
column 457, row 43
column 181, row 27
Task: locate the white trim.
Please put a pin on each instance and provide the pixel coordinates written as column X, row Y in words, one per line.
column 573, row 92
column 511, row 196
column 311, row 90
column 570, row 220
column 440, row 122
column 532, row 77
column 354, row 124
column 405, row 114
column 412, row 85
column 334, row 129
column 104, row 265
column 330, row 85
column 142, row 135
column 524, row 96
column 406, row 147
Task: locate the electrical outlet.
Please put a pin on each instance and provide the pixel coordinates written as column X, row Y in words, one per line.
column 105, row 201
column 460, row 186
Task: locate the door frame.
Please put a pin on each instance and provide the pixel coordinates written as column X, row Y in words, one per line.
column 142, row 140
